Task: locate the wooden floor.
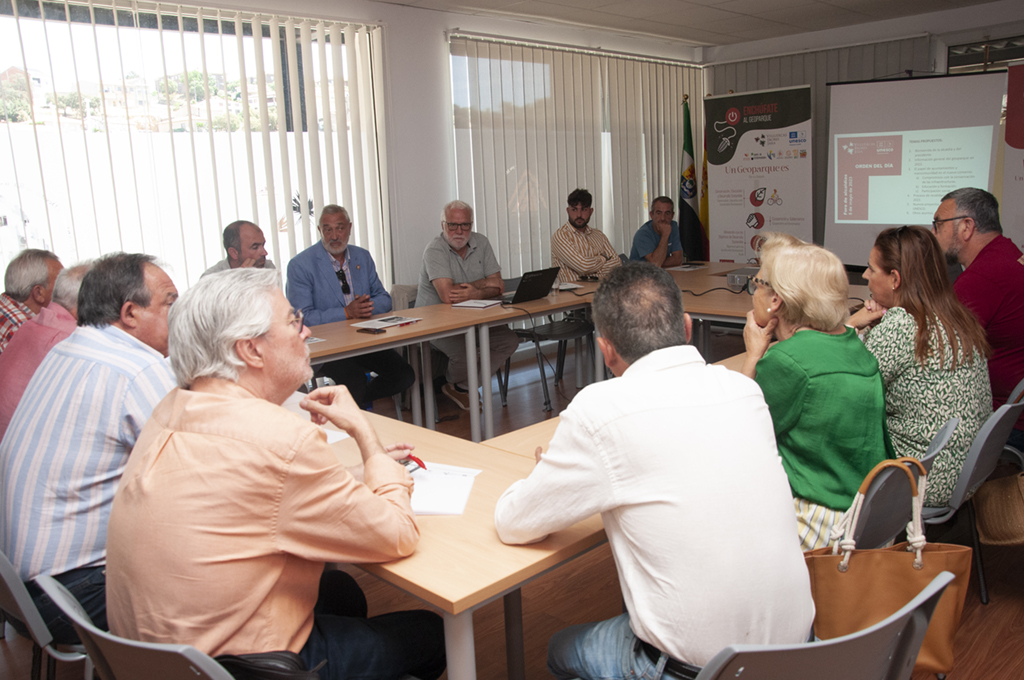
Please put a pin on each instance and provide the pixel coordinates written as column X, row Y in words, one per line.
column 988, row 643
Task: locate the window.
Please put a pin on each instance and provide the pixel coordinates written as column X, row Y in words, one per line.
column 534, row 122
column 148, row 128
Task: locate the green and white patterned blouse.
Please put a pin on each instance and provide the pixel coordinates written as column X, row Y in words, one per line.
column 919, row 400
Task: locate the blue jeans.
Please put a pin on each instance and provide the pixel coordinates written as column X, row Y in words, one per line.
column 88, row 585
column 606, row 650
column 383, row 647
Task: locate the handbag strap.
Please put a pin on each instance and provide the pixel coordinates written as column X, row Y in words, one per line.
column 842, row 531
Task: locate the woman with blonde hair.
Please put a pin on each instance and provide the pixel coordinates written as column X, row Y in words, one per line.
column 821, row 385
column 931, row 351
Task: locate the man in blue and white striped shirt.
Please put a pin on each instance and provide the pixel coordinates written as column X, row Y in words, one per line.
column 63, row 455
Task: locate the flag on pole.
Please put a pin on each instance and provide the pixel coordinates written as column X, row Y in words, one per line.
column 690, row 230
column 705, row 222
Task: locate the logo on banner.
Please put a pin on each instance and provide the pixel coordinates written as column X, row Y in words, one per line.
column 757, row 197
column 726, row 132
column 755, row 220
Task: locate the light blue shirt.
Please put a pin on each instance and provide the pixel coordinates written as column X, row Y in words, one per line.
column 646, row 241
column 62, row 456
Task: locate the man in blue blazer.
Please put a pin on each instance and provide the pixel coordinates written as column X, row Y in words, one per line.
column 333, row 281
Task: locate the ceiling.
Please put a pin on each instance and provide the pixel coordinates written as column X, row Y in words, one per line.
column 697, row 22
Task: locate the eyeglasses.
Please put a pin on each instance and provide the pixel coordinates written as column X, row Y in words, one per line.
column 753, row 282
column 459, row 226
column 297, row 315
column 936, row 223
column 344, row 282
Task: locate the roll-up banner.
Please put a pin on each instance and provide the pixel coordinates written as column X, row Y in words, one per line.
column 1011, row 210
column 759, row 169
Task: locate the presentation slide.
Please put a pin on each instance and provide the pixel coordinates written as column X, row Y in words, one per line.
column 897, row 147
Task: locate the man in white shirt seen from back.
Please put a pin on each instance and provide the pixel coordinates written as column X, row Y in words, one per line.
column 679, row 458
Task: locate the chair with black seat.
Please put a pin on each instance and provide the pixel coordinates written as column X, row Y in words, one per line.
column 982, row 458
column 1010, row 453
column 885, row 651
column 119, row 659
column 562, row 331
column 17, row 602
column 886, row 509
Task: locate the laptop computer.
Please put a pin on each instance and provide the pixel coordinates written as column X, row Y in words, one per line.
column 533, row 286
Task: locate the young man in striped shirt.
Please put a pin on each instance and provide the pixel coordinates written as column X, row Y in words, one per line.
column 577, row 249
column 69, row 440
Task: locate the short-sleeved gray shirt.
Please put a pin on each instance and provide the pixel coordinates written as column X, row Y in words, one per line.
column 441, row 262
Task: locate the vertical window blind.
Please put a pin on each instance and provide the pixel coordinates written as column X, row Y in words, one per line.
column 534, row 122
column 149, row 127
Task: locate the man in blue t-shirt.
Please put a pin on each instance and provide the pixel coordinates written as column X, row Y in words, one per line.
column 657, row 241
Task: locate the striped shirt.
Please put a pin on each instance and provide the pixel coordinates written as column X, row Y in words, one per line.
column 582, row 253
column 62, row 456
column 12, row 315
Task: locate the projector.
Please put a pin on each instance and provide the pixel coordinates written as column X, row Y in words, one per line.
column 737, row 279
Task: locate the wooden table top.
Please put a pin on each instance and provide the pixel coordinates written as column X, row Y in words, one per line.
column 723, row 303
column 436, row 319
column 460, row 563
column 524, row 441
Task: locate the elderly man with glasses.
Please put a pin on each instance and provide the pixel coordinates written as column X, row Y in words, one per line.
column 230, row 505
column 459, row 265
column 334, row 281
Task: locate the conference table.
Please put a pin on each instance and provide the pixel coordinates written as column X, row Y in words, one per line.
column 701, row 300
column 342, row 340
column 459, row 564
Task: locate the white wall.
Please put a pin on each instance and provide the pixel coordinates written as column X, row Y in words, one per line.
column 956, row 26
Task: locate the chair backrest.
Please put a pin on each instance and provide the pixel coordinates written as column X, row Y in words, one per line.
column 983, row 456
column 403, row 296
column 1017, row 393
column 120, row 659
column 886, row 509
column 16, row 600
column 885, row 651
column 887, row 503
column 938, row 443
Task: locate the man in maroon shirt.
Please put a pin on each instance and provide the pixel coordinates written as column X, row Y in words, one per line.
column 992, row 285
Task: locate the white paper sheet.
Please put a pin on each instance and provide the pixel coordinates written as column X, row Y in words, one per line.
column 442, row 489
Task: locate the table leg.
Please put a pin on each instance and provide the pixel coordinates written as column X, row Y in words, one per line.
column 428, row 386
column 417, row 413
column 460, row 646
column 578, row 358
column 485, row 380
column 705, row 338
column 474, row 384
column 598, row 361
column 515, row 658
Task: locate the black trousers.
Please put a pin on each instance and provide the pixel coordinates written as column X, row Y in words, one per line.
column 394, row 375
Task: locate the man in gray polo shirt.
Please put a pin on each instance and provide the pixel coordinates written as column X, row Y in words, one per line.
column 460, row 265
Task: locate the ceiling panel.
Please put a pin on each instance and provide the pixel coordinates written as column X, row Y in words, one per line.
column 698, row 22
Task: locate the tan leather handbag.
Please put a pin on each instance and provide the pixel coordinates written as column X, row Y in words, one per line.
column 854, row 589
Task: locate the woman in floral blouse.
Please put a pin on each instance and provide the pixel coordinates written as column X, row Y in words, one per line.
column 930, row 349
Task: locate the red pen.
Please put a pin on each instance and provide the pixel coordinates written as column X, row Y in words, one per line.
column 407, row 323
column 417, row 461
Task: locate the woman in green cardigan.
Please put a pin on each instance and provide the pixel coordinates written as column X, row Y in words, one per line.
column 823, row 388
